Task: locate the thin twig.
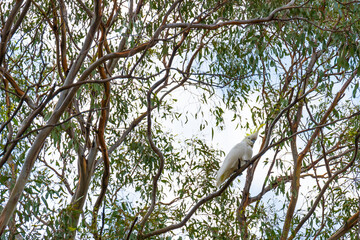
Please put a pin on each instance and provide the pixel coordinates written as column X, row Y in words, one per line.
column 131, row 228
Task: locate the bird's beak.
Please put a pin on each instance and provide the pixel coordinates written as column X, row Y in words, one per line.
column 253, row 140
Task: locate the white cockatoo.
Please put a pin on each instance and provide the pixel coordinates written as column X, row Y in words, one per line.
column 238, row 156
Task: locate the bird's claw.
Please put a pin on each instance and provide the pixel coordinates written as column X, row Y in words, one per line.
column 249, row 161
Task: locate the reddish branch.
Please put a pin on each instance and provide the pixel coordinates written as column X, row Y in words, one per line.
column 20, row 93
column 63, row 25
column 105, row 154
column 101, row 138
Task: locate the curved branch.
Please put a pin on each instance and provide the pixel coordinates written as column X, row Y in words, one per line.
column 101, row 137
column 269, row 18
column 149, row 135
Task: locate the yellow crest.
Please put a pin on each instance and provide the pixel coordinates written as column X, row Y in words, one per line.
column 256, row 129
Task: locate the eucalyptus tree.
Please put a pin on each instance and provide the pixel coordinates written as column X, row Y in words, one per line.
column 94, row 99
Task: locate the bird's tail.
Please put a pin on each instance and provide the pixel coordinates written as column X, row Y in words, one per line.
column 219, row 181
column 221, row 177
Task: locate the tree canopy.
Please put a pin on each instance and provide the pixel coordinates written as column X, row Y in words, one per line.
column 112, row 111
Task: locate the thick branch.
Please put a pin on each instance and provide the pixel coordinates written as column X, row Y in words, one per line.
column 350, row 223
column 5, row 31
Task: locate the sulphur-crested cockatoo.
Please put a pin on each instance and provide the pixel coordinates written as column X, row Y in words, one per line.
column 238, row 156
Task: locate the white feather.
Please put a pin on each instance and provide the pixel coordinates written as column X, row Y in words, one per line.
column 240, row 153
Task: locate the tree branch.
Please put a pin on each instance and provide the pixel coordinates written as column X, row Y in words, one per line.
column 149, row 135
column 350, row 223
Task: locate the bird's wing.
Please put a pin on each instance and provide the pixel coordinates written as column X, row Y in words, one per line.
column 230, row 163
column 248, row 153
